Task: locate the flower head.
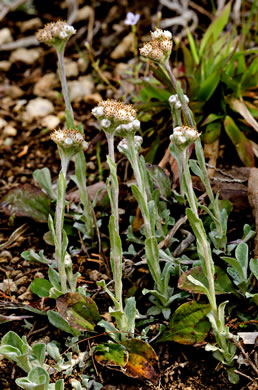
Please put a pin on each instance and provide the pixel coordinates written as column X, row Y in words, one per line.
column 55, row 32
column 131, row 19
column 123, row 146
column 175, row 102
column 69, row 141
column 184, row 136
column 160, row 46
column 111, row 114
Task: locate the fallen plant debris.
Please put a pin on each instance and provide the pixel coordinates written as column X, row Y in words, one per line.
column 124, row 252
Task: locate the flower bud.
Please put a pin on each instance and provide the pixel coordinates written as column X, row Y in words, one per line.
column 184, row 136
column 123, row 146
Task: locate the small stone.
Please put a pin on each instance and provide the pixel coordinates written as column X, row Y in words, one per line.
column 8, row 285
column 9, row 131
column 84, row 13
column 125, row 46
column 27, row 56
column 39, row 107
column 23, row 179
column 39, row 275
column 27, row 295
column 46, row 84
column 31, row 24
column 51, row 122
column 14, row 92
column 79, row 89
column 5, row 66
column 93, row 98
column 94, row 275
column 22, row 290
column 3, row 123
column 5, row 36
column 21, row 280
column 121, row 69
column 71, row 68
column 82, row 64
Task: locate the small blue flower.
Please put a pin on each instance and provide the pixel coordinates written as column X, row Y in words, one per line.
column 131, row 19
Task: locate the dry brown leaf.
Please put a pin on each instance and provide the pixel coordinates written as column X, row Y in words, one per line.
column 240, row 107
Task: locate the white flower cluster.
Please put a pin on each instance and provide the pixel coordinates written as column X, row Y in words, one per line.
column 183, row 136
column 160, row 46
column 123, row 145
column 59, row 30
column 114, row 116
column 68, row 138
column 175, row 102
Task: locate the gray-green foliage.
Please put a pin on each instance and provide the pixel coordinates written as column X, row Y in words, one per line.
column 241, row 269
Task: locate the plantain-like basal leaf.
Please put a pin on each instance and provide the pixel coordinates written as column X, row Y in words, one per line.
column 111, row 355
column 26, row 201
column 143, row 361
column 223, row 284
column 79, row 311
column 188, row 324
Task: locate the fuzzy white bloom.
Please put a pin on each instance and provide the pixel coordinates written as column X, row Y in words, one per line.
column 52, row 32
column 68, row 138
column 160, row 46
column 183, row 136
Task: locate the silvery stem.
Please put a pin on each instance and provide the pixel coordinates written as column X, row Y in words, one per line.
column 60, row 206
column 115, row 191
column 140, row 182
column 61, row 71
column 203, row 242
column 185, row 107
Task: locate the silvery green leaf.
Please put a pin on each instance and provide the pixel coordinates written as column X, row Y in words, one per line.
column 254, row 267
column 53, row 351
column 242, row 256
column 56, row 320
column 31, row 255
column 102, row 284
column 130, row 312
column 76, row 385
column 113, row 172
column 39, row 352
column 196, row 169
column 54, row 278
column 153, row 215
column 43, row 177
column 52, row 229
column 140, row 199
column 37, row 379
column 111, row 329
column 152, row 257
column 232, row 376
column 59, row 385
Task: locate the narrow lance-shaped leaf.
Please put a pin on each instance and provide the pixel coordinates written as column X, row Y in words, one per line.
column 215, row 28
column 242, row 144
column 43, row 177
